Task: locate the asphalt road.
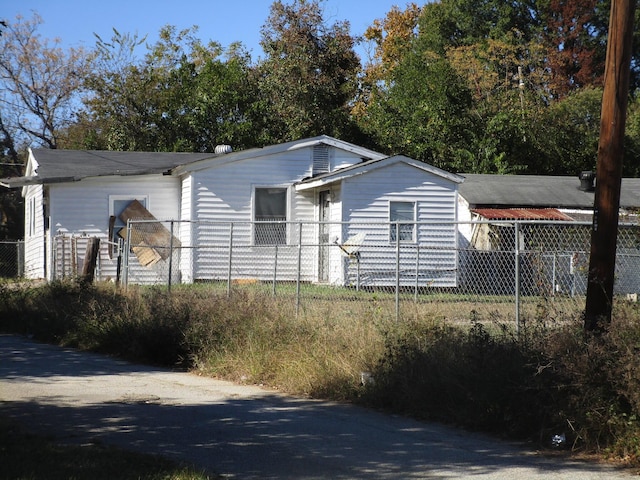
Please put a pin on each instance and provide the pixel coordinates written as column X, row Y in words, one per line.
column 247, row 432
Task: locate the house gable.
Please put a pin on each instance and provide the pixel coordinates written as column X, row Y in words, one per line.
column 371, row 166
column 344, row 154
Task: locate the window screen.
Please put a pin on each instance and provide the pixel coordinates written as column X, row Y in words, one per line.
column 400, row 212
column 270, row 211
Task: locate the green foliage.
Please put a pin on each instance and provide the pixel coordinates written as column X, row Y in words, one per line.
column 309, row 74
column 571, row 130
column 423, row 113
column 471, row 378
column 555, row 379
column 181, row 97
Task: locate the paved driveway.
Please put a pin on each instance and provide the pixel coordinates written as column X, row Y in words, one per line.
column 246, row 432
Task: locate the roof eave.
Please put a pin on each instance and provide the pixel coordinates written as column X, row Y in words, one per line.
column 364, row 167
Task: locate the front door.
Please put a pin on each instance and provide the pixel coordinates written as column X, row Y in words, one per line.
column 324, row 203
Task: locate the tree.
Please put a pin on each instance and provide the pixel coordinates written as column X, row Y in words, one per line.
column 40, row 83
column 308, row 78
column 573, row 38
column 569, row 132
column 391, row 39
column 423, row 112
column 631, row 162
column 11, row 203
column 455, row 23
column 508, row 86
column 181, row 97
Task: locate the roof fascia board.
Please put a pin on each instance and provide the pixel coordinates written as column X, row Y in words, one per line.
column 274, row 150
column 366, row 167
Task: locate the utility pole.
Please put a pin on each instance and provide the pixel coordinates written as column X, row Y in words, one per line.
column 604, row 231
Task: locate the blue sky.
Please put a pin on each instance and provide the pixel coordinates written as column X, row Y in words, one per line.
column 225, row 21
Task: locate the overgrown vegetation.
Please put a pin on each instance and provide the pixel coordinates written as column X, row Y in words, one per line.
column 551, row 379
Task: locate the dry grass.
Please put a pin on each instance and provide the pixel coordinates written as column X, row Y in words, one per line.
column 459, row 362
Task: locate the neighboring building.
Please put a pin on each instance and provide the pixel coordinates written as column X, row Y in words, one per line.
column 538, row 197
column 266, row 190
column 557, row 252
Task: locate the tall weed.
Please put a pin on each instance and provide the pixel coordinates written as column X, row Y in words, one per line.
column 550, row 378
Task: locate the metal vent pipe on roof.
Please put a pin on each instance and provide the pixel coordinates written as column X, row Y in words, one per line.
column 587, row 179
column 222, row 149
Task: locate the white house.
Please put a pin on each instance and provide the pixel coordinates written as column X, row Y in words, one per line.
column 337, row 189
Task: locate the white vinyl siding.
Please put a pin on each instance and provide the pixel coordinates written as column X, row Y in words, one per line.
column 35, row 240
column 224, row 195
column 83, row 209
column 366, row 200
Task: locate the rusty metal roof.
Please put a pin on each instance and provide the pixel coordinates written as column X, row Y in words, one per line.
column 521, row 214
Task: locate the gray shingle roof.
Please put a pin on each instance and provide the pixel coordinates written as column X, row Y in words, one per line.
column 487, row 190
column 72, row 165
column 79, row 164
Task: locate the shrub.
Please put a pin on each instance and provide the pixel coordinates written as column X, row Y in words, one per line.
column 549, row 379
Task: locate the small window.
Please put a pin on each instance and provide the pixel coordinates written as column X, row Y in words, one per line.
column 270, row 215
column 400, row 212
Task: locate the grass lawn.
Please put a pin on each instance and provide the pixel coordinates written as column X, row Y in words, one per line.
column 32, row 457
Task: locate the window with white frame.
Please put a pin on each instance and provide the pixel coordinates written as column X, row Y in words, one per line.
column 270, row 215
column 402, row 216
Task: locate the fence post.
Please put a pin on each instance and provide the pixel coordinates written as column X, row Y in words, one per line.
column 90, row 260
column 230, row 259
column 415, row 293
column 20, row 253
column 127, row 249
column 397, row 271
column 275, row 269
column 517, row 275
column 170, row 258
column 299, row 267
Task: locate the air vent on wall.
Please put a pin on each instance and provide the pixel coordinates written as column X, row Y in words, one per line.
column 320, row 159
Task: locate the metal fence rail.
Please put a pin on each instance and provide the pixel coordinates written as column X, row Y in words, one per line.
column 460, row 269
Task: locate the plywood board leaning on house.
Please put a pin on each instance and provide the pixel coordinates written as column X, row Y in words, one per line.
column 150, row 241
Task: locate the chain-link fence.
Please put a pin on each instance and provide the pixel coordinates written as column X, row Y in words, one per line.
column 11, row 259
column 455, row 270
